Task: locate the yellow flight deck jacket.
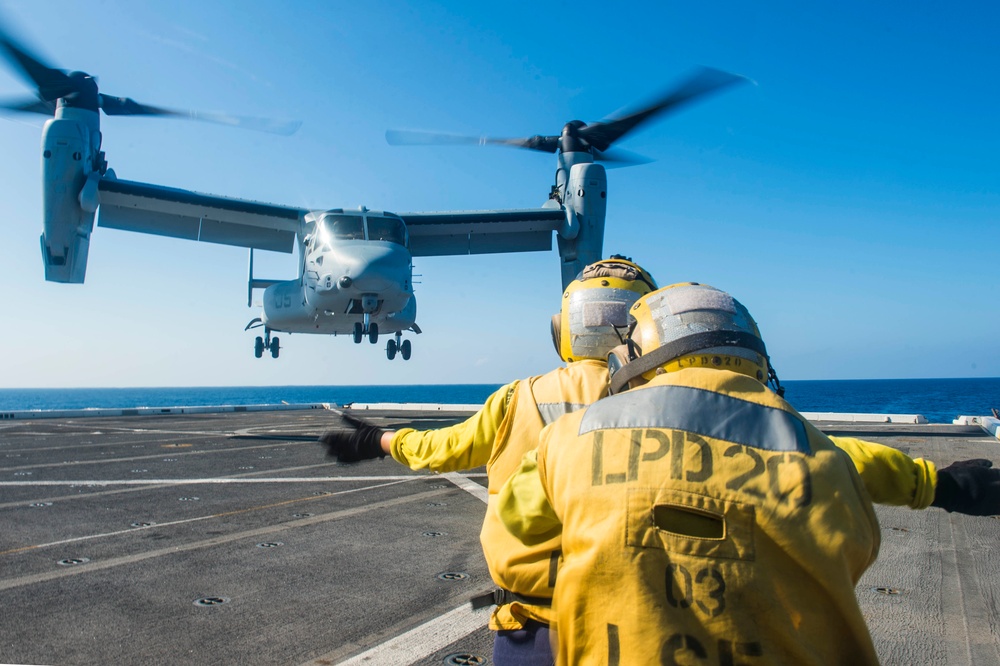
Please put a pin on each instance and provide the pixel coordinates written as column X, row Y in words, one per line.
column 508, row 425
column 703, row 520
column 498, row 436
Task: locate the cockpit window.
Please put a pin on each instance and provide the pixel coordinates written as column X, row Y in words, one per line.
column 346, row 227
column 386, row 229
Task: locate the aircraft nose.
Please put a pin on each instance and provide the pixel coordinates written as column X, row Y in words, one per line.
column 371, row 268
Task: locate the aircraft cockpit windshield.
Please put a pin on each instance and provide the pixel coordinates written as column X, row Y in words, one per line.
column 344, row 227
column 386, row 229
column 333, row 228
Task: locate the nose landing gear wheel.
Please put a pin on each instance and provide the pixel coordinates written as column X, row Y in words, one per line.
column 258, row 347
column 390, row 349
column 373, row 333
column 358, row 332
column 273, row 347
column 404, row 350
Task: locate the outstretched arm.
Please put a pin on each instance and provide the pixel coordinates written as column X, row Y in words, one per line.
column 892, row 477
column 462, row 446
column 889, row 475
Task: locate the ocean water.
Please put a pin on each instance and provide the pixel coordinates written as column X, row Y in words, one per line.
column 940, row 400
column 113, row 398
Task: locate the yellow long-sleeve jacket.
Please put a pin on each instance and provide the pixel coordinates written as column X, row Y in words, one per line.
column 700, row 515
column 509, row 424
column 498, row 436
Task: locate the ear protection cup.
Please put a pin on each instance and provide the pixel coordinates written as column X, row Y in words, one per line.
column 556, row 332
column 618, row 358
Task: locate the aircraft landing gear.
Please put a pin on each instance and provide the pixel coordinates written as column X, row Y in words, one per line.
column 393, row 346
column 368, row 328
column 268, row 343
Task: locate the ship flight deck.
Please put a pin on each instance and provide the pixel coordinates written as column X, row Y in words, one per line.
column 225, row 536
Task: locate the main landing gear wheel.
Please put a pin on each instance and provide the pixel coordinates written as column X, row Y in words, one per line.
column 266, row 342
column 373, row 333
column 402, row 347
column 358, row 332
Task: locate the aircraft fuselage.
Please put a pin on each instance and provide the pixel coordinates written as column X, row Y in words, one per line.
column 355, row 268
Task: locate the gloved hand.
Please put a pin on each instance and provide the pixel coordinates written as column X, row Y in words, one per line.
column 969, row 486
column 354, row 441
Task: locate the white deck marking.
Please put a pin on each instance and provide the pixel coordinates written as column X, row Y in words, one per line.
column 459, row 480
column 419, row 642
column 196, row 519
column 213, row 480
column 407, row 648
column 100, row 565
column 471, row 487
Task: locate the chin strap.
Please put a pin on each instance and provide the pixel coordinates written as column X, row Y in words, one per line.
column 686, row 346
column 772, row 379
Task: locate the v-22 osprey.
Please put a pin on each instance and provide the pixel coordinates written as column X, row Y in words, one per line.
column 355, row 273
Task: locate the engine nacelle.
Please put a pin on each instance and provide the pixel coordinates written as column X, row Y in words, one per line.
column 586, row 201
column 67, row 158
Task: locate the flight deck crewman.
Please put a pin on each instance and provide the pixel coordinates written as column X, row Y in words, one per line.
column 509, row 423
column 699, row 514
column 594, row 311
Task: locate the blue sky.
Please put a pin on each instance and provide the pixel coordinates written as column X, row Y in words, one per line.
column 849, row 197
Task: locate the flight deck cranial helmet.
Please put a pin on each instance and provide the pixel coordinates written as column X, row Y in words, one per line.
column 595, row 307
column 689, row 325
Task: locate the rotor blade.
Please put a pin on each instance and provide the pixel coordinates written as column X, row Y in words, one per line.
column 547, row 144
column 29, row 106
column 126, row 106
column 602, row 134
column 422, row 138
column 620, row 158
column 51, row 83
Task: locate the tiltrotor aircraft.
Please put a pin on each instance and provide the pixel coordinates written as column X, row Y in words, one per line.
column 355, row 272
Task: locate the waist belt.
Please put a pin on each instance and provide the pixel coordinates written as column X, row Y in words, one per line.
column 501, row 597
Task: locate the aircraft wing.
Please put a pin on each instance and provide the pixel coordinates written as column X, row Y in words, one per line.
column 482, row 232
column 166, row 211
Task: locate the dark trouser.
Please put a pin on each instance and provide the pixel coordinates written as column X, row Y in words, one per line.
column 523, row 647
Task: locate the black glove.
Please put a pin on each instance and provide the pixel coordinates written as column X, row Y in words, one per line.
column 355, row 441
column 969, row 486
